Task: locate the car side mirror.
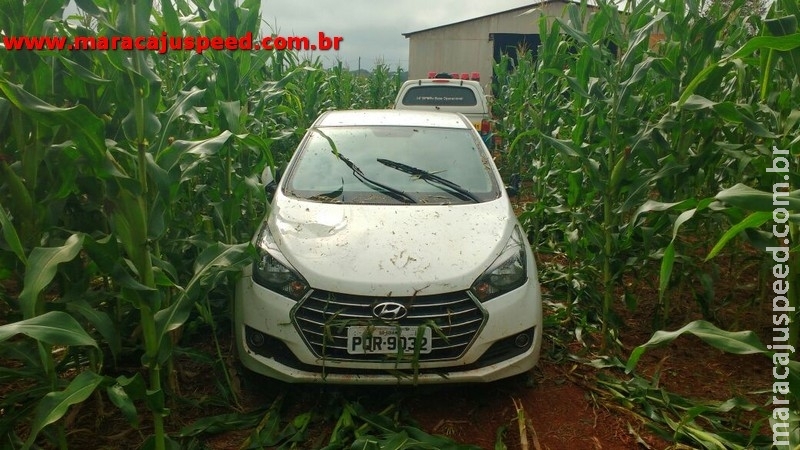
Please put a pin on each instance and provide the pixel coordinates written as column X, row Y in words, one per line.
column 512, row 188
column 270, row 181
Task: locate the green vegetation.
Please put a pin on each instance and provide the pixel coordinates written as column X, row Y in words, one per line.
column 645, row 137
column 129, row 193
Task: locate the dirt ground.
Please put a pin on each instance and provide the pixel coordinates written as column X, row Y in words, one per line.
column 559, row 397
column 561, row 412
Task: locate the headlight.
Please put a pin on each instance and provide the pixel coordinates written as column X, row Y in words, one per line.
column 506, row 273
column 273, row 272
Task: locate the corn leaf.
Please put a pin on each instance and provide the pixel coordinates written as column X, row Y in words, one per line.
column 42, row 265
column 739, row 342
column 54, row 328
column 752, row 199
column 222, row 423
column 55, row 404
column 667, row 262
column 121, row 400
column 87, row 128
column 754, row 220
column 101, row 322
column 37, row 12
column 215, row 261
column 11, row 236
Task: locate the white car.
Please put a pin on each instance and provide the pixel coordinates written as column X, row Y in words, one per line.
column 391, row 254
column 448, row 95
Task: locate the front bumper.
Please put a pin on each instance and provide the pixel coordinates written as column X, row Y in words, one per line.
column 270, row 342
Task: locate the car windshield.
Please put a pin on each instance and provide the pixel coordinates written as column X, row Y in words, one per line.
column 391, row 165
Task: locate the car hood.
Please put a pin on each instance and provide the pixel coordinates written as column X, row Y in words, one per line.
column 390, row 250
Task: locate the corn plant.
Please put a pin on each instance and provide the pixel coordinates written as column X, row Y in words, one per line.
column 775, row 121
column 129, row 191
column 592, row 144
column 634, row 145
column 599, row 125
column 773, row 117
column 118, row 152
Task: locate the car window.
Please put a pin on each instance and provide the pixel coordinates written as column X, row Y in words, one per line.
column 440, row 95
column 384, row 155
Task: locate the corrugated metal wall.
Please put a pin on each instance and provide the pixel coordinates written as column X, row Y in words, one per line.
column 467, row 46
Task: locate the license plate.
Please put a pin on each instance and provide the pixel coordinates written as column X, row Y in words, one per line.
column 387, row 340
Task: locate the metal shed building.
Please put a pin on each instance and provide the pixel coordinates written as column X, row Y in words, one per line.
column 473, row 45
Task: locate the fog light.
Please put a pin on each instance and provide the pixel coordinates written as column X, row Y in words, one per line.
column 297, row 289
column 482, row 291
column 522, row 340
column 256, row 339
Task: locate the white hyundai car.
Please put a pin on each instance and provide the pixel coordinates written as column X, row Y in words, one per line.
column 390, row 254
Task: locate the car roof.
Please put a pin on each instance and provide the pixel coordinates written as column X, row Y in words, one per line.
column 442, row 82
column 392, row 117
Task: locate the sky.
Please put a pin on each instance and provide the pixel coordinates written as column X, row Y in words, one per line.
column 372, row 29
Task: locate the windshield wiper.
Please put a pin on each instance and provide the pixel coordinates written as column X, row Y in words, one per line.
column 329, row 196
column 428, row 176
column 359, row 174
column 384, row 189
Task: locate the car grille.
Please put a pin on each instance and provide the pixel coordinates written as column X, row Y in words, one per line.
column 322, row 319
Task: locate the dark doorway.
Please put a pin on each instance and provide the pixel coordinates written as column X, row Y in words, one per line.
column 508, row 43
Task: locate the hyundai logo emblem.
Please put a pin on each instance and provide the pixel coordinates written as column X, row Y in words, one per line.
column 389, row 311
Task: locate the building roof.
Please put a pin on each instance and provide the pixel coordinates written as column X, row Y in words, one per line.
column 521, row 10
